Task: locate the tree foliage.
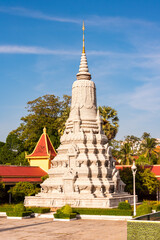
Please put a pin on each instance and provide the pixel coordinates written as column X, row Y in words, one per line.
column 148, row 146
column 110, row 121
column 12, row 152
column 143, row 150
column 1, row 144
column 146, row 182
column 46, row 111
column 126, row 153
column 22, row 189
column 2, row 192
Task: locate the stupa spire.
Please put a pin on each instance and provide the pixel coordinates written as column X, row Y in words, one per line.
column 83, row 28
column 83, row 68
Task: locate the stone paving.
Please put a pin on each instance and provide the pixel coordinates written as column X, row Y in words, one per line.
column 47, row 229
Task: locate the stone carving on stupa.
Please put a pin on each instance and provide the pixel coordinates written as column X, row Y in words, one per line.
column 83, row 172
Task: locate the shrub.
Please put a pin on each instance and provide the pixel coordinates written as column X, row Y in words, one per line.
column 65, row 216
column 6, row 207
column 158, row 207
column 66, row 209
column 65, row 213
column 103, row 211
column 38, row 209
column 18, row 214
column 143, row 209
column 19, row 208
column 124, row 205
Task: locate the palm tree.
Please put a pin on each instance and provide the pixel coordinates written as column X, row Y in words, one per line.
column 149, row 147
column 110, row 121
column 126, row 153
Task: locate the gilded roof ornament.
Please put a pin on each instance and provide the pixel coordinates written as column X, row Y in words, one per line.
column 44, row 130
column 83, row 28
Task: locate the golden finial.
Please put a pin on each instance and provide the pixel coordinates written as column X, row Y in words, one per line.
column 44, row 130
column 83, row 28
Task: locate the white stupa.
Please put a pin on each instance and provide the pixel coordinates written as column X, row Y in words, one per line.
column 83, row 173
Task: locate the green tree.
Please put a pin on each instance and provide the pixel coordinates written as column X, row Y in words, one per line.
column 146, row 182
column 22, row 189
column 7, row 156
column 126, row 153
column 149, row 148
column 116, row 146
column 142, row 160
column 2, row 192
column 145, row 135
column 46, row 111
column 12, row 150
column 1, row 144
column 150, row 181
column 21, row 160
column 110, row 121
column 134, row 143
column 13, row 143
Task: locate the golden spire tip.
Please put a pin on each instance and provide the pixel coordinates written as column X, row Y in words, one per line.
column 44, row 130
column 83, row 28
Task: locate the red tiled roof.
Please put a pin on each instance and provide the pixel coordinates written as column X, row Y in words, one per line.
column 154, row 168
column 123, row 166
column 44, row 148
column 21, row 173
column 15, row 180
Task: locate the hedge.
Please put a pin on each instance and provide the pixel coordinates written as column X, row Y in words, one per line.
column 143, row 209
column 19, row 210
column 65, row 216
column 124, row 206
column 6, row 207
column 156, row 207
column 18, row 214
column 102, row 211
column 138, row 230
column 10, row 207
column 39, row 209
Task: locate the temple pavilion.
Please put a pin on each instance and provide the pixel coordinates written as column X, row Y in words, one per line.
column 43, row 153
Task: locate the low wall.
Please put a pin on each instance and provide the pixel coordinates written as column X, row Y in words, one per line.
column 150, row 217
column 76, row 201
column 143, row 230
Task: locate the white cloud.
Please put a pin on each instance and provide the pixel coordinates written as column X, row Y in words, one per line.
column 146, row 97
column 115, row 23
column 118, row 22
column 40, row 87
column 36, row 14
column 13, row 49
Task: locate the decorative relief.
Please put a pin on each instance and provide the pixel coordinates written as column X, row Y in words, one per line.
column 73, row 150
column 83, row 94
column 77, row 189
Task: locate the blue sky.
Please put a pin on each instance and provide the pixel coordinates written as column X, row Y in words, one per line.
column 40, row 49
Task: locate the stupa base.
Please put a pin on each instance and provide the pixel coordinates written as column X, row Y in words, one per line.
column 101, row 202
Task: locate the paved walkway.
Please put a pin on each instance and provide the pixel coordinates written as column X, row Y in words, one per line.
column 47, row 229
